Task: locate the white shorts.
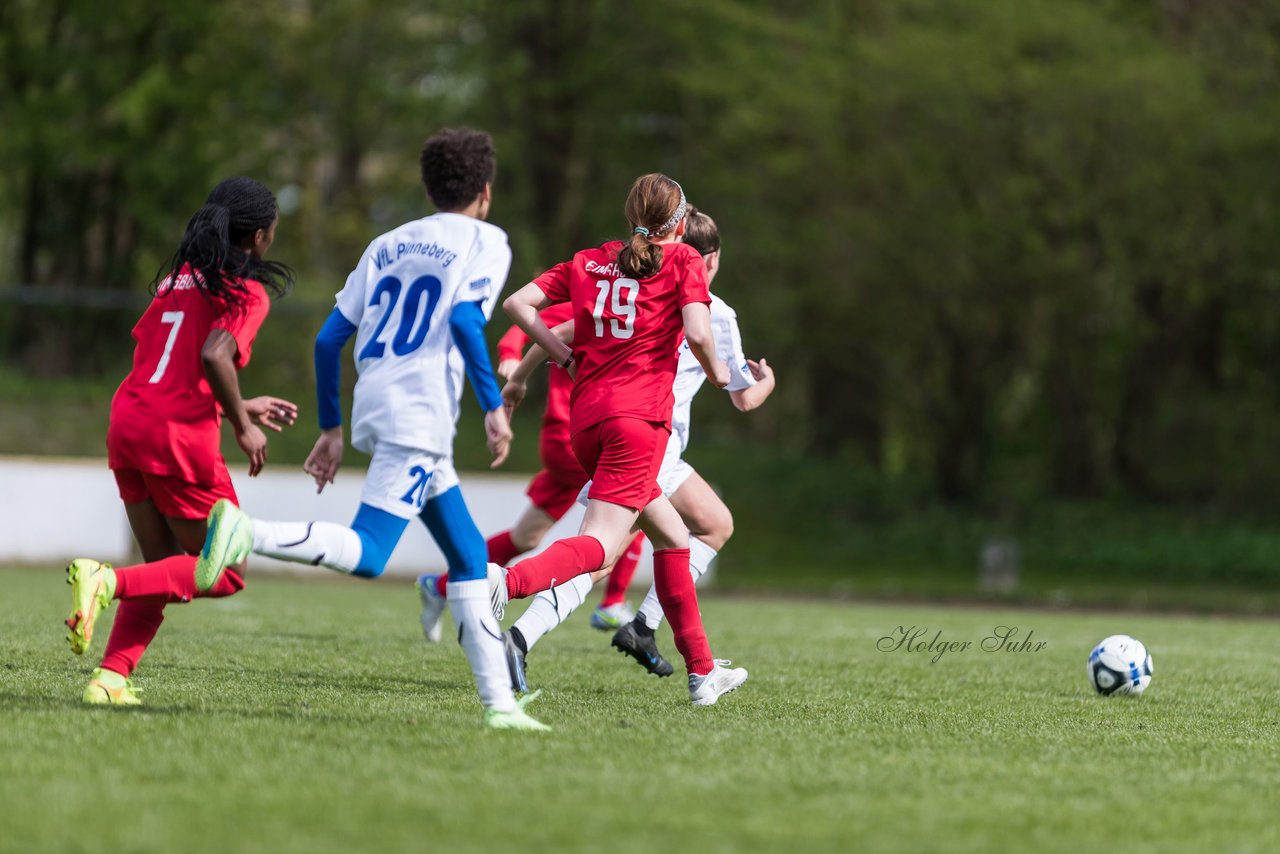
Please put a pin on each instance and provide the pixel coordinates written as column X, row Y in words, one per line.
column 400, row 479
column 671, row 475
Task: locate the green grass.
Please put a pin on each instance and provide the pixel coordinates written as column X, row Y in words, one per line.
column 310, row 716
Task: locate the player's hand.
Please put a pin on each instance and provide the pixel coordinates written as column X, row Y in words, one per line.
column 254, row 444
column 507, row 368
column 719, row 376
column 760, row 370
column 513, row 395
column 325, row 458
column 266, row 411
column 498, row 436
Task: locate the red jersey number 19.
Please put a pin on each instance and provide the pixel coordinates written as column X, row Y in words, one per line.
column 624, row 293
column 174, row 317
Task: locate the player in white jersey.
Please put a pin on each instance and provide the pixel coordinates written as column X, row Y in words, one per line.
column 709, row 521
column 417, row 304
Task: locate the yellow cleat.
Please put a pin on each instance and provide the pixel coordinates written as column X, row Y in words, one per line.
column 93, row 586
column 227, row 541
column 518, row 719
column 108, row 688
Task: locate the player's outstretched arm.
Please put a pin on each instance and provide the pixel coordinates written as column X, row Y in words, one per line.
column 274, row 413
column 518, row 380
column 218, row 357
column 523, row 307
column 748, row 399
column 326, row 456
column 697, row 332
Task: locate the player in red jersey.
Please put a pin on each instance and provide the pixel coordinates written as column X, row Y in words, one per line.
column 163, row 436
column 556, row 487
column 553, row 490
column 630, row 305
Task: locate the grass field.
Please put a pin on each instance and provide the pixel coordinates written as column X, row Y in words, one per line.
column 310, row 716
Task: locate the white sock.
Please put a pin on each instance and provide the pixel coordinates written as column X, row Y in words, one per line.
column 326, row 544
column 481, row 640
column 552, row 607
column 700, row 557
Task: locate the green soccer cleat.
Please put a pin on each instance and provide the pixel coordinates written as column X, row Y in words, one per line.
column 93, row 586
column 108, row 688
column 517, row 719
column 608, row 618
column 228, row 541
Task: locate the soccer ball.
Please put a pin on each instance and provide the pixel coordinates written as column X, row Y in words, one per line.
column 1119, row 665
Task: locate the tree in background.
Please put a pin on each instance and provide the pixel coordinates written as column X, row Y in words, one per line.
column 1002, row 250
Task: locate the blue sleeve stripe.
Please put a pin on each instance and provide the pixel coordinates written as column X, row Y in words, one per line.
column 467, row 322
column 328, row 355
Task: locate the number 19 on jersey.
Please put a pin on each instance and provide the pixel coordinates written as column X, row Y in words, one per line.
column 620, row 295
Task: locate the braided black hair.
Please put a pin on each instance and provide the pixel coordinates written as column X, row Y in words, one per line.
column 234, row 211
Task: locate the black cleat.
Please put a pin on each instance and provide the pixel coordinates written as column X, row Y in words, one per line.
column 515, row 663
column 642, row 648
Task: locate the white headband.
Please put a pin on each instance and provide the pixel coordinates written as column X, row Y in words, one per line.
column 675, row 217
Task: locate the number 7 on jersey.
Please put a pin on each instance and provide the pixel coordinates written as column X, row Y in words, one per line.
column 174, row 317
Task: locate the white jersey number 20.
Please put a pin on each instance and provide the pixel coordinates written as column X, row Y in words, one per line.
column 624, row 293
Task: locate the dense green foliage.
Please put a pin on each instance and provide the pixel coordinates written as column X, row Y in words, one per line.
column 311, row 717
column 997, row 251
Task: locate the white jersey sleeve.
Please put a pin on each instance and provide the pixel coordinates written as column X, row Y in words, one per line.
column 350, row 300
column 728, row 341
column 486, row 274
column 690, row 376
column 484, row 278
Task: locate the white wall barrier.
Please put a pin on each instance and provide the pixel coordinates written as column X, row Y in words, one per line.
column 52, row 510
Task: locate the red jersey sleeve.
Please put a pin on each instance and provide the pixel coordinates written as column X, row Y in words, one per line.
column 511, row 344
column 691, row 276
column 555, row 282
column 244, row 319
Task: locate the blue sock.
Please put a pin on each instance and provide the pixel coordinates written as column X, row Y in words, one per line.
column 450, row 523
column 379, row 531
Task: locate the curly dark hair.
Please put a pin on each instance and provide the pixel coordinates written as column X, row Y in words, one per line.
column 456, row 164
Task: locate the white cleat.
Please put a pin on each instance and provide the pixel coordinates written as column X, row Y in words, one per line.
column 705, row 690
column 433, row 605
column 498, row 590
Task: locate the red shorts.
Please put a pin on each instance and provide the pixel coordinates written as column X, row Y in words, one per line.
column 623, row 456
column 554, row 490
column 174, row 496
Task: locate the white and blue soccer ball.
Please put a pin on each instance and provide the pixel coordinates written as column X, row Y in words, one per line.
column 1119, row 665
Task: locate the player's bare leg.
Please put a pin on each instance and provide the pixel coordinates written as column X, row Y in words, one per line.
column 534, row 524
column 613, row 612
column 550, row 608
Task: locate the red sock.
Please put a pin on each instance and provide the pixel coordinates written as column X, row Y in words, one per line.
column 561, row 561
column 137, row 621
column 679, row 601
column 501, row 549
column 615, row 591
column 172, row 579
column 140, row 614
